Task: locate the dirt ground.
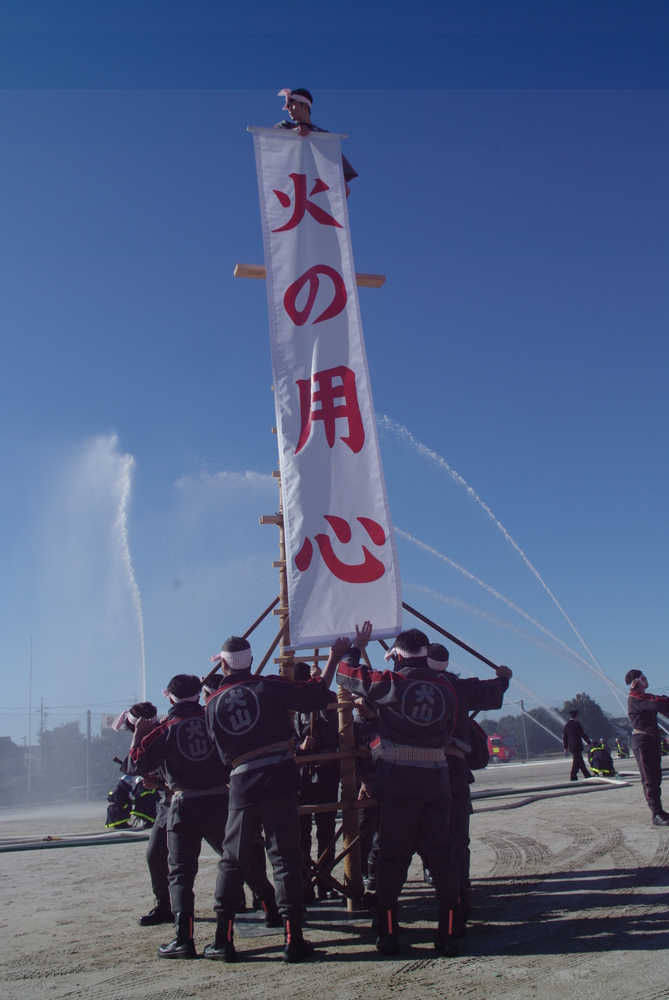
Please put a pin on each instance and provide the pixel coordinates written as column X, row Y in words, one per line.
column 570, row 897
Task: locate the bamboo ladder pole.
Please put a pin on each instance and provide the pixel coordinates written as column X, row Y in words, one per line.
column 349, row 791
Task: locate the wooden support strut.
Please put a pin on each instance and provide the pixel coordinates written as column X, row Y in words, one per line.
column 458, row 642
column 258, row 271
column 349, row 794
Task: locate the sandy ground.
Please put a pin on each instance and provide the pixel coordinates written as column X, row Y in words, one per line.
column 570, row 898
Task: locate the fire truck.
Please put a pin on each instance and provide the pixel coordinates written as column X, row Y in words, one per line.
column 501, row 748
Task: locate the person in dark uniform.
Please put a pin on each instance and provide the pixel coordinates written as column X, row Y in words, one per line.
column 417, row 710
column 156, row 851
column 365, row 733
column 600, row 760
column 249, row 721
column 573, row 735
column 157, row 860
column 298, row 105
column 317, row 732
column 642, row 710
column 182, row 749
column 473, row 695
column 144, row 803
column 119, row 805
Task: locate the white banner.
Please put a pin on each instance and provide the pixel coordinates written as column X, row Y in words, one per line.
column 340, row 547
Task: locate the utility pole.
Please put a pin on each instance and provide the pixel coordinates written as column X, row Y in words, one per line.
column 41, row 720
column 88, row 755
column 522, row 714
column 30, row 719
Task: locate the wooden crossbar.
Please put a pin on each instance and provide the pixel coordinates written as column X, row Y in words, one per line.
column 329, row 807
column 258, row 271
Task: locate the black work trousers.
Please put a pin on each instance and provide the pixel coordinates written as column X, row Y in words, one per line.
column 156, row 859
column 325, row 789
column 578, row 764
column 191, row 822
column 647, row 752
column 369, row 840
column 279, row 820
column 404, row 824
column 461, row 810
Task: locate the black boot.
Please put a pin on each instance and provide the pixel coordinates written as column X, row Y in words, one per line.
column 661, row 818
column 445, row 941
column 387, row 942
column 296, row 947
column 223, row 947
column 460, row 919
column 183, row 945
column 160, row 914
column 427, row 876
column 272, row 915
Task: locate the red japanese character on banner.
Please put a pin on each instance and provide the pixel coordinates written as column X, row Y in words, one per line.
column 338, row 304
column 302, row 204
column 330, row 410
column 367, row 571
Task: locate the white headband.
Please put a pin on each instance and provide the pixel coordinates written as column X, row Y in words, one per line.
column 125, row 717
column 437, row 664
column 402, row 652
column 290, row 96
column 177, row 701
column 241, row 660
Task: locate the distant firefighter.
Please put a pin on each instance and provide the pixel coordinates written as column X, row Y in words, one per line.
column 642, row 709
column 573, row 736
column 600, row 760
column 120, row 802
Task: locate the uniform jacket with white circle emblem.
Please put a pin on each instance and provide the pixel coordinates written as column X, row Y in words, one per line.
column 416, row 708
column 248, row 714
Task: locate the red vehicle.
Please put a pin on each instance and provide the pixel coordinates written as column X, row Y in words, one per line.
column 501, row 748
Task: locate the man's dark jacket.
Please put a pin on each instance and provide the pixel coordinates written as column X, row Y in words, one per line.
column 415, row 708
column 249, row 713
column 573, row 735
column 181, row 750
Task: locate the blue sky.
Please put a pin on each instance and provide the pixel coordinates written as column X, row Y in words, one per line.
column 512, row 189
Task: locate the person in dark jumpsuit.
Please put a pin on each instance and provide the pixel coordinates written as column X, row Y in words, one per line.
column 156, row 850
column 417, row 711
column 182, row 750
column 366, row 732
column 119, row 804
column 298, row 105
column 320, row 782
column 249, row 721
column 642, row 710
column 573, row 736
column 157, row 860
column 473, row 695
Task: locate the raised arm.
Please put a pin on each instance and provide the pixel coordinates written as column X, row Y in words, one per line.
column 338, row 649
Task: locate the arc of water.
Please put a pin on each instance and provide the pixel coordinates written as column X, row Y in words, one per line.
column 486, row 586
column 565, row 652
column 523, row 687
column 122, row 529
column 402, row 432
column 536, row 721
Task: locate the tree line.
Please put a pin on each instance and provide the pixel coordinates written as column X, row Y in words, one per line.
column 63, row 763
column 62, row 770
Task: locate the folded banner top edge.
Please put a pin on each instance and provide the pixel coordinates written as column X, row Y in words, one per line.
column 287, row 133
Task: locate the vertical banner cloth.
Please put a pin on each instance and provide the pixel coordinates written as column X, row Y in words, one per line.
column 341, row 556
